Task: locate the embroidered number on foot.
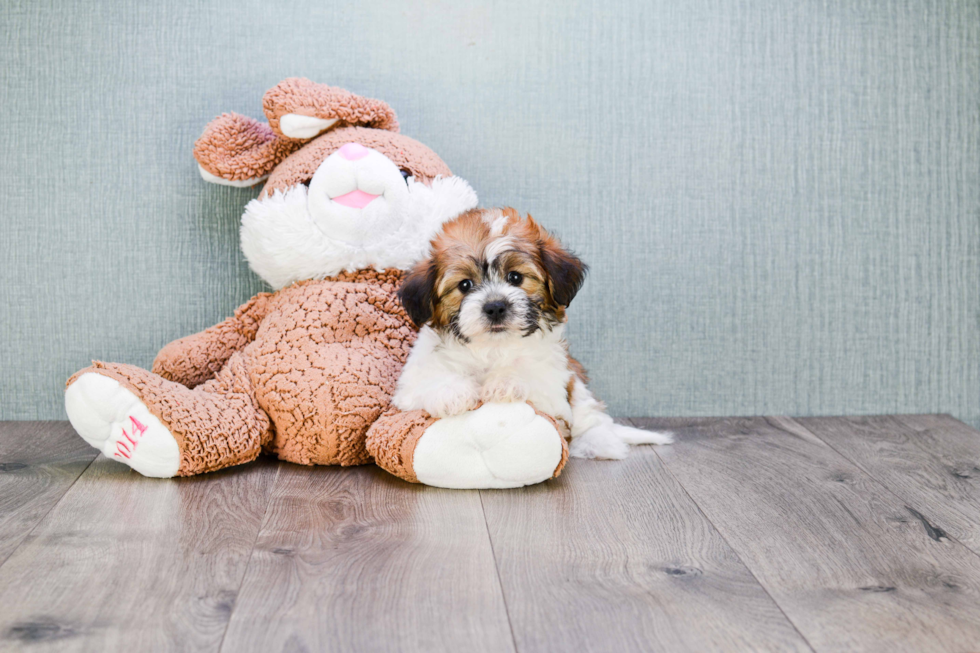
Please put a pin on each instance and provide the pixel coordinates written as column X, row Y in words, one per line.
column 122, row 450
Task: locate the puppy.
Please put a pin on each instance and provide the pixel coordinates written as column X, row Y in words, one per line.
column 490, row 304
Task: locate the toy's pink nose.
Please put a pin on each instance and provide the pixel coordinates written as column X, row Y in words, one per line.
column 353, row 151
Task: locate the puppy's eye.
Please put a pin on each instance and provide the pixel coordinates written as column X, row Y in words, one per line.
column 515, row 278
column 465, row 286
column 405, row 174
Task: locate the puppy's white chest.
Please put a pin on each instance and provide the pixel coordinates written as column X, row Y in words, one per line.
column 536, row 365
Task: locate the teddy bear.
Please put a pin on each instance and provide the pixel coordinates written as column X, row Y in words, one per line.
column 306, row 372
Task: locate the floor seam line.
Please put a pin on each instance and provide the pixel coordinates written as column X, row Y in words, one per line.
column 248, row 562
column 48, row 511
column 882, row 484
column 729, row 545
column 496, row 567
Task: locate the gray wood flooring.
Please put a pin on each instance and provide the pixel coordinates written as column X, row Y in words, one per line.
column 748, row 534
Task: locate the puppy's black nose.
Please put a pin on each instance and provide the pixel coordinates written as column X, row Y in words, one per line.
column 495, row 311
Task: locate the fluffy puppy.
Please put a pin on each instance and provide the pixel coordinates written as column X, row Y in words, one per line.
column 490, row 304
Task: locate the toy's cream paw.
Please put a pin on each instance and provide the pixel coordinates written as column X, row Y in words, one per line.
column 505, row 389
column 113, row 420
column 495, row 446
column 452, row 400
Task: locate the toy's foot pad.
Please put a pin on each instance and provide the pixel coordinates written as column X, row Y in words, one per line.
column 495, row 446
column 113, row 420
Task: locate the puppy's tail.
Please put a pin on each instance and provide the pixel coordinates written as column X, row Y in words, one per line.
column 632, row 435
column 596, row 435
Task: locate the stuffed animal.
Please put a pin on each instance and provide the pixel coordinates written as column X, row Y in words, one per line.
column 306, row 372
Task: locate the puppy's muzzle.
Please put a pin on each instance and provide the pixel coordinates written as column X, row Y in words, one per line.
column 496, row 311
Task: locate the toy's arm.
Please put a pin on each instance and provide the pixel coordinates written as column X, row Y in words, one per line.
column 494, row 446
column 195, row 359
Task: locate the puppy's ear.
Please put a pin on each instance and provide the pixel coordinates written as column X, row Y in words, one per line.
column 418, row 292
column 566, row 272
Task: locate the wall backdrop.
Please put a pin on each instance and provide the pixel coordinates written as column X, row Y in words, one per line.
column 780, row 200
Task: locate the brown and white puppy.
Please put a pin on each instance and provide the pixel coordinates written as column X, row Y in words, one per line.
column 490, row 304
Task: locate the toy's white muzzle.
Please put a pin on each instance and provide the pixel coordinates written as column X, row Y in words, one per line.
column 356, row 194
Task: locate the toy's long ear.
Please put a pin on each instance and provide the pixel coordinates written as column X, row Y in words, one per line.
column 300, row 109
column 236, row 150
column 418, row 292
column 566, row 272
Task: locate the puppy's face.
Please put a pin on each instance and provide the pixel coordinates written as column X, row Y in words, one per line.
column 492, row 274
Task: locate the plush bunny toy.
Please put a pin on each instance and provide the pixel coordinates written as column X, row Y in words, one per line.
column 306, row 373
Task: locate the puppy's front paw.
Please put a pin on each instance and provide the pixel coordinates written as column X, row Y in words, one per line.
column 451, row 400
column 504, row 390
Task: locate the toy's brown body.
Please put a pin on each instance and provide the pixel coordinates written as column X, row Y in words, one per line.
column 302, row 374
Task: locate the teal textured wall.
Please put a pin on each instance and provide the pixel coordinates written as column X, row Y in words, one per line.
column 780, row 200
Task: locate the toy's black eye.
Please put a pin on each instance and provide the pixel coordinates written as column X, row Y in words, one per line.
column 515, row 278
column 405, row 174
column 465, row 286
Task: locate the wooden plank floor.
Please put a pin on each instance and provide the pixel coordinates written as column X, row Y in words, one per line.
column 771, row 534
